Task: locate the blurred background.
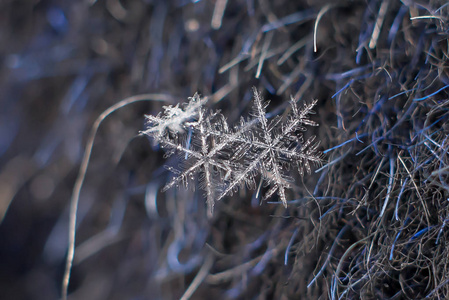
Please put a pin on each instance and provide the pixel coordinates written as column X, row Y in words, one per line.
column 379, row 72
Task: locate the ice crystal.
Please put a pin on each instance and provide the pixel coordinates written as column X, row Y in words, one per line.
column 224, row 158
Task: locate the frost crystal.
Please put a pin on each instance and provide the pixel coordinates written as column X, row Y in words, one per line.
column 225, row 158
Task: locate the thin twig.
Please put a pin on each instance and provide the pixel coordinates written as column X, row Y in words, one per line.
column 82, row 174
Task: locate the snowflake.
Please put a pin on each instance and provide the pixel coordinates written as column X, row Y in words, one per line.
column 271, row 150
column 174, row 118
column 225, row 158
